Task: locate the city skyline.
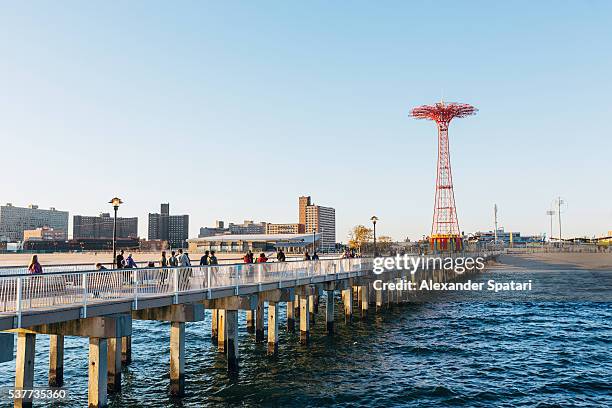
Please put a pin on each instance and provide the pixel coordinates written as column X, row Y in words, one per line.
column 232, row 121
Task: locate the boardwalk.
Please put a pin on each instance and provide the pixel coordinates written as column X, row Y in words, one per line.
column 101, row 305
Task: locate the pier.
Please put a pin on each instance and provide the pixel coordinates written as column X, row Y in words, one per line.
column 101, row 306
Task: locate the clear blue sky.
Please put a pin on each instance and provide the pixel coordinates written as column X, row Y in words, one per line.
column 231, row 110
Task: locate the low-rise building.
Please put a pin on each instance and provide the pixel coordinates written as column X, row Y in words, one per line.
column 240, row 243
column 44, row 234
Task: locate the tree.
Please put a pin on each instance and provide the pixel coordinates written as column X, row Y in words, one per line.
column 383, row 244
column 359, row 236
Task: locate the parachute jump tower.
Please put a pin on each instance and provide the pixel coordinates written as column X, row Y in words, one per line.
column 445, row 233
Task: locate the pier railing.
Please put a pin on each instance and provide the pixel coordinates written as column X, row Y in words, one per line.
column 19, row 293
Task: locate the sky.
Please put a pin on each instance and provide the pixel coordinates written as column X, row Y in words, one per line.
column 231, row 110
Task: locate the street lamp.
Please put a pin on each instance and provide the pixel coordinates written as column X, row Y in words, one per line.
column 374, row 219
column 116, row 202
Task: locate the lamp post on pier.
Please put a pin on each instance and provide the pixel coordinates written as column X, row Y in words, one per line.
column 116, row 202
column 374, row 219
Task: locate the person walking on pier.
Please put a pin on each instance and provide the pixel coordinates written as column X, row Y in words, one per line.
column 183, row 258
column 280, row 255
column 164, row 263
column 306, row 256
column 35, row 268
column 248, row 258
column 262, row 258
column 205, row 259
column 120, row 261
column 315, row 257
column 212, row 259
column 129, row 262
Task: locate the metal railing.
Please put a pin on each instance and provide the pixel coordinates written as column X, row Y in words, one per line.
column 19, row 293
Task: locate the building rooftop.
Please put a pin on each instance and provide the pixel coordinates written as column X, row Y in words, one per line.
column 258, row 238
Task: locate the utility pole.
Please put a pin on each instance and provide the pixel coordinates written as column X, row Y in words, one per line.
column 559, row 202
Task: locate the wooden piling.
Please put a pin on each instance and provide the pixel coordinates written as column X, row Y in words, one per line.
column 96, row 388
column 311, row 309
column 379, row 299
column 177, row 358
column 272, row 328
column 113, row 364
column 56, row 360
column 24, row 366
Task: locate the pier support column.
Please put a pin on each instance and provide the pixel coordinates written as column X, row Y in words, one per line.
column 304, row 320
column 290, row 318
column 56, row 360
column 177, row 358
column 364, row 300
column 231, row 334
column 96, row 388
column 311, row 309
column 126, row 350
column 379, row 299
column 316, row 301
column 329, row 312
column 272, row 328
column 259, row 321
column 250, row 321
column 214, row 325
column 24, row 368
column 348, row 304
column 221, row 330
column 113, row 363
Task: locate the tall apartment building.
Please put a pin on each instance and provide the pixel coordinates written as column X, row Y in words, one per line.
column 171, row 228
column 248, row 227
column 285, row 228
column 101, row 227
column 15, row 220
column 319, row 219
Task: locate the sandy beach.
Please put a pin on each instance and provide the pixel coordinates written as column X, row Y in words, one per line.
column 548, row 260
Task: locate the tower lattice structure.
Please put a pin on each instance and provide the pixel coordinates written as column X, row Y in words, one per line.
column 445, row 233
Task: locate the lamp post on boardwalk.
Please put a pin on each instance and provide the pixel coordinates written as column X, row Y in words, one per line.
column 374, row 219
column 116, row 202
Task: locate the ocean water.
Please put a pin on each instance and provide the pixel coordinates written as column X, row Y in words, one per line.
column 551, row 347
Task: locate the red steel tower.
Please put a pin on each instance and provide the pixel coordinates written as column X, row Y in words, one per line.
column 445, row 233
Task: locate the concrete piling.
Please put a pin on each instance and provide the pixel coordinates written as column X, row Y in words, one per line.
column 290, row 318
column 259, row 321
column 364, row 298
column 97, row 375
column 214, row 325
column 231, row 334
column 24, row 368
column 221, row 330
column 311, row 309
column 113, row 363
column 177, row 358
column 329, row 312
column 56, row 360
column 250, row 321
column 272, row 328
column 348, row 304
column 126, row 350
column 304, row 319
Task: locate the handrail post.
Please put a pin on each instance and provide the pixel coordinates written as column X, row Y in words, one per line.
column 208, row 278
column 18, row 300
column 175, row 278
column 135, row 279
column 84, row 294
